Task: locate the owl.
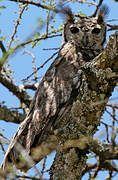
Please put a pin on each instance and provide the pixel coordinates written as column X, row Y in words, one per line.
column 83, row 39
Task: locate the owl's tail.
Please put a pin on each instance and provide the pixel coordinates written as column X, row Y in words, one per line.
column 16, row 153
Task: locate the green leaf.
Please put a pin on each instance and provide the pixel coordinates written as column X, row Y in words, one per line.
column 2, row 7
column 38, row 34
column 60, row 28
column 90, row 156
column 82, row 14
column 102, row 96
column 3, row 102
column 2, row 38
column 40, row 21
column 103, row 141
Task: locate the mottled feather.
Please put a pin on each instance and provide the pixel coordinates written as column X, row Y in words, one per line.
column 83, row 39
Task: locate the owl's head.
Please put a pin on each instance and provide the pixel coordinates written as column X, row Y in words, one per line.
column 86, row 32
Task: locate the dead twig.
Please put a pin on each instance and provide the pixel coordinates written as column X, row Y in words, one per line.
column 33, row 63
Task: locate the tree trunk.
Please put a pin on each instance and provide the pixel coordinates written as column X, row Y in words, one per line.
column 80, row 121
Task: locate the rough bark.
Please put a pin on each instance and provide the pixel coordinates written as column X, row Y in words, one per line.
column 18, row 91
column 9, row 115
column 98, row 82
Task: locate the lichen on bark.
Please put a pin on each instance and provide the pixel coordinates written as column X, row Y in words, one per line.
column 99, row 79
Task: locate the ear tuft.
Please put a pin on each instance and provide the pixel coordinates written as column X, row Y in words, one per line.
column 67, row 13
column 103, row 12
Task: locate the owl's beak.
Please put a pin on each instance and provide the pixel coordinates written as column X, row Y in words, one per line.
column 84, row 40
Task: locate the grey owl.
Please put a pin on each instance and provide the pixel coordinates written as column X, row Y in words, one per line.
column 83, row 39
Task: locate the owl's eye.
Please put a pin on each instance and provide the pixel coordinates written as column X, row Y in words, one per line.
column 96, row 31
column 74, row 30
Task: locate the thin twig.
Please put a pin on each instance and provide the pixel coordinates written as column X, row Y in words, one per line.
column 2, row 148
column 13, row 51
column 16, row 25
column 33, row 63
column 97, row 8
column 45, row 49
column 112, row 27
column 111, row 115
column 44, row 166
column 2, row 47
column 43, row 37
column 41, row 66
column 47, row 22
column 113, row 106
column 96, row 170
column 111, row 20
column 5, row 138
column 107, row 132
column 113, row 134
column 88, row 168
column 28, row 177
column 106, row 124
column 35, row 4
column 87, row 2
column 110, row 175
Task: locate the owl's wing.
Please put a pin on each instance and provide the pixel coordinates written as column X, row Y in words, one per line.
column 53, row 93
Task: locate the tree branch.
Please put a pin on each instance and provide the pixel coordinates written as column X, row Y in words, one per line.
column 35, row 4
column 16, row 25
column 11, row 115
column 97, row 8
column 104, row 151
column 31, row 86
column 18, row 91
column 13, row 50
column 112, row 27
column 103, row 166
column 87, row 2
column 2, row 47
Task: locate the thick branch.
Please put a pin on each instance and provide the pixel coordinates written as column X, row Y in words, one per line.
column 31, row 86
column 109, row 57
column 11, row 115
column 98, row 82
column 107, row 165
column 16, row 90
column 104, row 151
